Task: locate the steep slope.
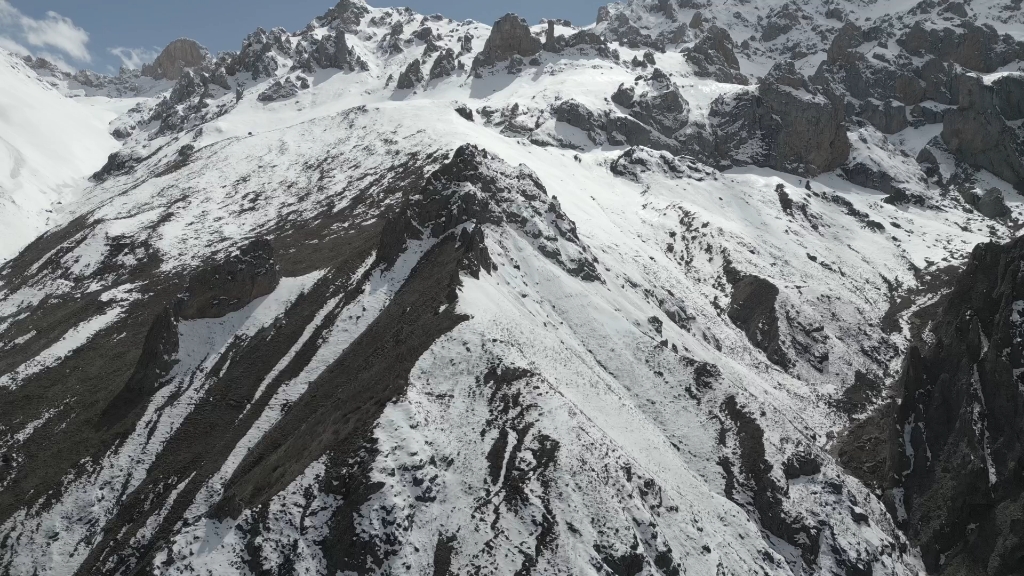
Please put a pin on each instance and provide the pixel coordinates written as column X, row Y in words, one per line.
column 399, row 294
column 50, row 144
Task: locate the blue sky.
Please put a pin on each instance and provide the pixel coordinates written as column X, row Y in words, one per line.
column 101, row 34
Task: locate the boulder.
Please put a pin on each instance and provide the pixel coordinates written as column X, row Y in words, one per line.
column 989, row 204
column 752, row 310
column 178, row 56
column 952, row 449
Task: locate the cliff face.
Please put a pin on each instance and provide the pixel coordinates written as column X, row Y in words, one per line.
column 948, row 449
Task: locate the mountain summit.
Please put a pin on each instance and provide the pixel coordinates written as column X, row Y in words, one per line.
column 719, row 287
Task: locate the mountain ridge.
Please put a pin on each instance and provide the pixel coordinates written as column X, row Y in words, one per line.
column 395, row 293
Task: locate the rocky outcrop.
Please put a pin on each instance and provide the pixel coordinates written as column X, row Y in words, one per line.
column 283, row 89
column 785, row 124
column 889, row 117
column 980, row 48
column 411, row 77
column 990, row 203
column 177, row 57
column 510, row 36
column 256, row 56
column 752, row 310
column 444, row 65
column 780, row 21
column 977, row 132
column 331, row 51
column 346, row 15
column 228, row 286
column 714, row 56
column 951, row 435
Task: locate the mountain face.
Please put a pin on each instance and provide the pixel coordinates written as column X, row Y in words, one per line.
column 719, row 288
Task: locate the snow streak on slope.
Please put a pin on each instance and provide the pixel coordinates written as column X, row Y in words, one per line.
column 49, row 144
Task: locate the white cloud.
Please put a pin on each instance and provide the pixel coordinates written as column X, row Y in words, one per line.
column 54, row 31
column 135, row 57
column 12, row 46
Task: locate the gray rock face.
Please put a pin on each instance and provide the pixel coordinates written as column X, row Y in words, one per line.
column 616, row 129
column 444, row 65
column 780, row 21
column 989, row 204
column 509, row 36
column 256, row 56
column 665, row 111
column 411, row 77
column 785, row 125
column 714, row 56
column 332, row 51
column 889, row 117
column 282, row 90
column 347, row 14
column 939, row 81
column 752, row 309
column 950, row 438
column 979, row 48
column 977, row 133
column 849, row 71
column 178, row 56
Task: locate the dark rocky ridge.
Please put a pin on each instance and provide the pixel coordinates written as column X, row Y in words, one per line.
column 947, row 448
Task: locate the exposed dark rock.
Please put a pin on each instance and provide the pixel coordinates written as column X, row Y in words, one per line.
column 509, row 36
column 411, row 77
column 229, row 285
column 666, row 111
column 939, row 81
column 464, row 111
column 178, row 56
column 752, row 310
column 714, row 56
column 280, row 90
column 780, row 21
column 697, row 20
column 755, row 477
column 624, row 96
column 889, row 117
column 332, row 51
column 801, row 464
column 989, row 204
column 785, row 124
column 444, row 65
column 256, row 56
column 951, row 434
column 978, row 134
column 347, row 14
column 979, row 48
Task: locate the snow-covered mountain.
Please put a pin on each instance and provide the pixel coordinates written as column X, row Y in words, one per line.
column 701, row 288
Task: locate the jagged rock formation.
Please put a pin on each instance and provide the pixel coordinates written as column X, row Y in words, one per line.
column 786, row 124
column 951, row 454
column 411, row 77
column 177, row 57
column 714, row 56
column 510, row 36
